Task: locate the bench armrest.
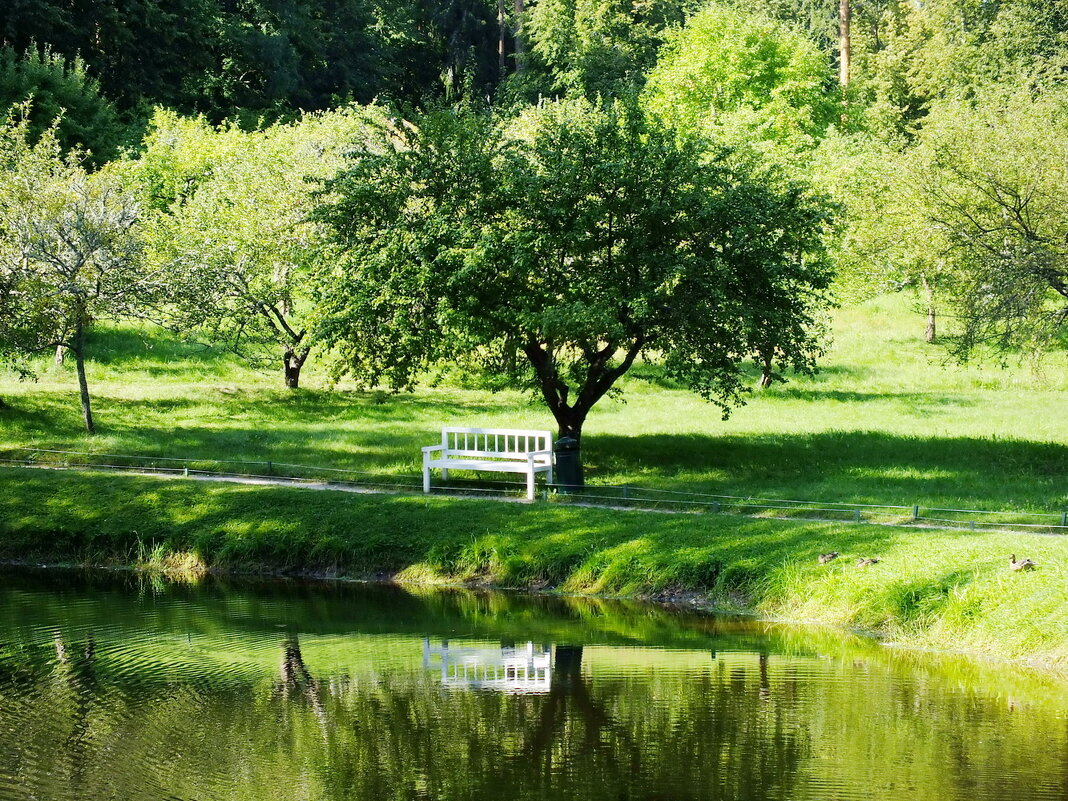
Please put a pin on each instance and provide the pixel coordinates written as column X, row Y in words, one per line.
column 430, row 448
column 548, row 452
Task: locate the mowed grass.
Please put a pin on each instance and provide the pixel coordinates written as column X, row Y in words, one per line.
column 939, row 589
column 887, row 420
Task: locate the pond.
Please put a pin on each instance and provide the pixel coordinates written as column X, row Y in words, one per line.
column 117, row 686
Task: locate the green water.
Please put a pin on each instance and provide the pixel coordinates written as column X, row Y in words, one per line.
column 119, row 687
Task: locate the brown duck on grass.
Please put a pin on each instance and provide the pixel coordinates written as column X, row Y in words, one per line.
column 867, row 562
column 1022, row 564
column 828, row 557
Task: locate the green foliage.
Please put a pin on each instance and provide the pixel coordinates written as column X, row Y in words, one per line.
column 71, row 251
column 575, row 238
column 745, row 79
column 906, row 55
column 883, row 244
column 598, row 47
column 62, row 90
column 257, row 60
column 992, row 178
column 231, row 226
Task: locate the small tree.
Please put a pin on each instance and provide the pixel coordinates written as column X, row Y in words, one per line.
column 556, row 249
column 60, row 89
column 991, row 177
column 232, row 228
column 885, row 242
column 71, row 253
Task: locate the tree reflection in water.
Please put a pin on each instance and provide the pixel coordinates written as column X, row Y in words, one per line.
column 111, row 691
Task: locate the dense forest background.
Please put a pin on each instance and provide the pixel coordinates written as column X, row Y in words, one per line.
column 262, row 61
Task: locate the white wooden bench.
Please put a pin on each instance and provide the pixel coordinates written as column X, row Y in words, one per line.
column 499, row 450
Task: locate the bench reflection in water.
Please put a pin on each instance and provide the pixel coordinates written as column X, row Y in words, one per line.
column 509, row 668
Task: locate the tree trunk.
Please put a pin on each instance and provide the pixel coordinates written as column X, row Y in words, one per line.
column 928, row 292
column 61, row 355
column 599, row 380
column 569, row 423
column 844, row 43
column 292, row 362
column 502, row 38
column 520, row 49
column 83, row 385
column 767, row 374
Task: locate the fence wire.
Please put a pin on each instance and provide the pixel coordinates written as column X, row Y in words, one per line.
column 601, row 495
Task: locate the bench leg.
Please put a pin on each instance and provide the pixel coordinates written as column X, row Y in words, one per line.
column 444, row 474
column 426, row 473
column 530, row 485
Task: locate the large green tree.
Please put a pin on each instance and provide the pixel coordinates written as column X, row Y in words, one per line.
column 60, row 89
column 556, row 249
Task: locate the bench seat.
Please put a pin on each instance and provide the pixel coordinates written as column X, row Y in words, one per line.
column 488, row 465
column 495, row 450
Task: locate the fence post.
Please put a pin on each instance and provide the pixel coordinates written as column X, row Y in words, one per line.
column 915, row 513
column 971, row 525
column 545, row 494
column 857, row 518
column 270, row 468
column 185, row 471
column 626, row 492
column 715, row 506
column 1064, row 518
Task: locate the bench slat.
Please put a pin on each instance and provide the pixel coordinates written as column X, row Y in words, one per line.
column 489, row 466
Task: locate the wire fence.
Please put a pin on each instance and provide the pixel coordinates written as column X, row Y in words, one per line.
column 601, row 495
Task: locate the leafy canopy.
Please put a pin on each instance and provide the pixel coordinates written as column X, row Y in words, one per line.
column 230, row 224
column 63, row 95
column 552, row 250
column 993, row 180
column 598, row 47
column 745, row 78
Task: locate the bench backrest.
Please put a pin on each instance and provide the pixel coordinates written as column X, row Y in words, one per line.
column 500, row 442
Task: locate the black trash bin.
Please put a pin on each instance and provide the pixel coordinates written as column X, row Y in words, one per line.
column 568, row 465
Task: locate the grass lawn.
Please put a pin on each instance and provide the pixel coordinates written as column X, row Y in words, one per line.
column 939, row 589
column 884, row 422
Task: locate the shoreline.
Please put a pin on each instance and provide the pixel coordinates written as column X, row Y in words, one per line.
column 943, row 591
column 692, row 602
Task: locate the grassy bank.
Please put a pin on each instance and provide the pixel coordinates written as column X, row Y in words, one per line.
column 939, row 589
column 884, row 422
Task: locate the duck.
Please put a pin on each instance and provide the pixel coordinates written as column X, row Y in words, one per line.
column 867, row 562
column 828, row 557
column 1022, row 564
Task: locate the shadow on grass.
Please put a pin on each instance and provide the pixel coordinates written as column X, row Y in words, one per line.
column 656, row 375
column 358, row 431
column 916, row 402
column 115, row 346
column 856, row 466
